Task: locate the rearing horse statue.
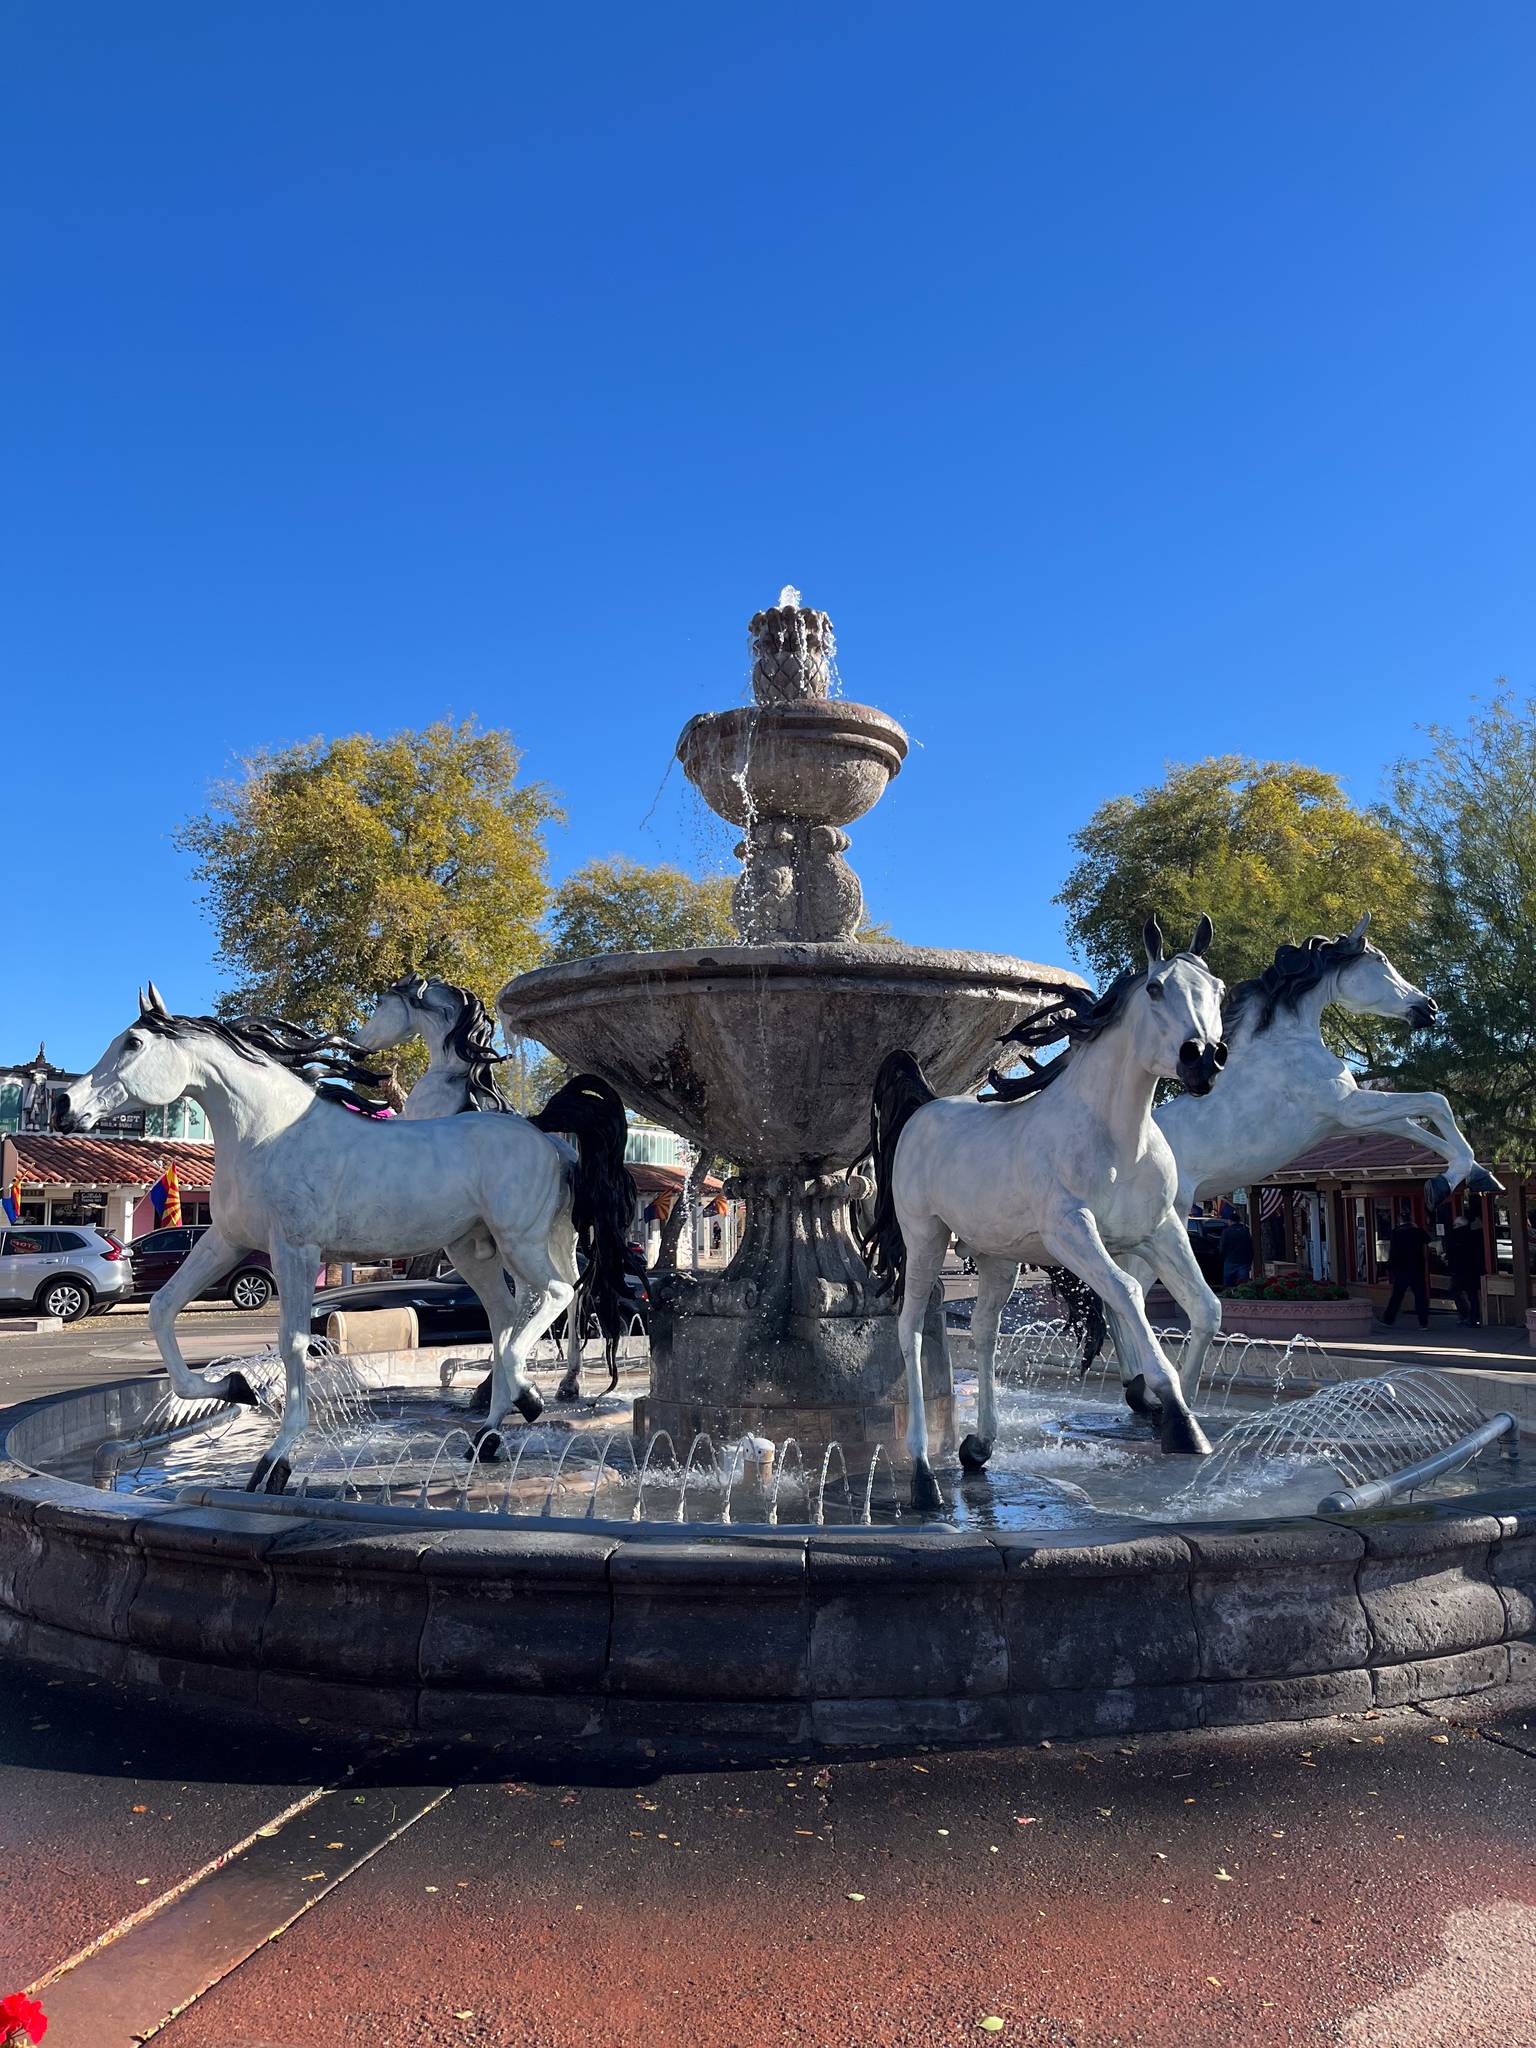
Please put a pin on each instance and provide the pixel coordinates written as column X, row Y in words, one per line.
column 1286, row 1089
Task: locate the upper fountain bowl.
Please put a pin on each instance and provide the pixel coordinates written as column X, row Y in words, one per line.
column 820, row 759
column 767, row 1054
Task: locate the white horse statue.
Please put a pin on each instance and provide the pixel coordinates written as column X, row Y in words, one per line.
column 461, row 1075
column 1286, row 1089
column 460, row 1038
column 1074, row 1174
column 299, row 1174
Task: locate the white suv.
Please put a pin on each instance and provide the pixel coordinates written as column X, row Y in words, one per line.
column 63, row 1269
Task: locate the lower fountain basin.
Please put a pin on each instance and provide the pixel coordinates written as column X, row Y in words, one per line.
column 760, row 1639
column 767, row 1054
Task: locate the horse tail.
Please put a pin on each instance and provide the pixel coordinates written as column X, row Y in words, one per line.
column 900, row 1090
column 1084, row 1310
column 602, row 1201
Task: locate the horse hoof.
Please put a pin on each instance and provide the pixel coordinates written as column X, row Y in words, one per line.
column 568, row 1390
column 926, row 1497
column 1436, row 1191
column 239, row 1391
column 974, row 1453
column 487, row 1447
column 480, row 1399
column 1179, row 1433
column 528, row 1405
column 1139, row 1401
column 271, row 1476
column 1481, row 1182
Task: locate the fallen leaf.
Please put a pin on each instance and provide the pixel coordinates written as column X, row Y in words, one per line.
column 857, row 1897
column 1439, row 1738
column 467, row 2014
column 1105, row 1811
column 1214, row 1980
column 313, row 1877
column 943, row 1831
column 1224, row 1877
column 138, row 1809
column 1161, row 1855
column 991, row 2024
column 1026, row 1820
column 335, row 1845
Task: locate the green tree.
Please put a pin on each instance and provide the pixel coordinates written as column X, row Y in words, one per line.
column 1273, row 850
column 332, row 867
column 615, row 905
column 1468, row 810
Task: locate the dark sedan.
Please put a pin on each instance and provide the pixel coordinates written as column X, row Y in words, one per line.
column 160, row 1253
column 448, row 1311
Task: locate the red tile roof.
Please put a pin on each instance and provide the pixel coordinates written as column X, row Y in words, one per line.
column 1373, row 1154
column 110, row 1162
column 667, row 1180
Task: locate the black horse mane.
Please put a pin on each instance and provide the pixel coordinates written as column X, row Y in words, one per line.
column 471, row 1037
column 1293, row 973
column 333, row 1066
column 1079, row 1016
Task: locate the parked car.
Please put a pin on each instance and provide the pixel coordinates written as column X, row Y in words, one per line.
column 64, row 1270
column 160, row 1253
column 448, row 1310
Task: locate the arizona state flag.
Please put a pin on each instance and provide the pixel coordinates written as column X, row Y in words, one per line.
column 166, row 1197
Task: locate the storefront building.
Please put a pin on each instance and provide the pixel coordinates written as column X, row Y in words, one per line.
column 1340, row 1201
column 105, row 1181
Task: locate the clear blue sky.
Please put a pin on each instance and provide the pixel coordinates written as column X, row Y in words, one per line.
column 1129, row 382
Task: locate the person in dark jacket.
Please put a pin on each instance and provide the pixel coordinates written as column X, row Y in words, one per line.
column 1464, row 1257
column 1236, row 1253
column 1408, row 1270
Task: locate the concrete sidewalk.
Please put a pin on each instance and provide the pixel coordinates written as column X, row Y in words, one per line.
column 1368, row 1881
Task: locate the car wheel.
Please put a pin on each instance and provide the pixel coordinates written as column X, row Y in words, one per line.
column 251, row 1289
column 67, row 1299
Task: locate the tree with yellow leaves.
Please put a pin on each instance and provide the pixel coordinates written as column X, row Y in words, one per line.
column 332, row 867
column 1272, row 850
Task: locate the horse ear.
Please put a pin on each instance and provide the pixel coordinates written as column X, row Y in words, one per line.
column 144, row 1009
column 157, row 1003
column 1200, row 944
column 1357, row 936
column 1152, row 939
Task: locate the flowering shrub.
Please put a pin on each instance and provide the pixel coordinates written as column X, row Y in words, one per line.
column 23, row 2022
column 1286, row 1287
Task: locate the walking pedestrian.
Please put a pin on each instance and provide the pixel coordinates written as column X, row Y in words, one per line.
column 1408, row 1271
column 1236, row 1253
column 1464, row 1257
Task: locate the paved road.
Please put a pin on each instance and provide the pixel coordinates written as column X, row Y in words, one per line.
column 1369, row 1882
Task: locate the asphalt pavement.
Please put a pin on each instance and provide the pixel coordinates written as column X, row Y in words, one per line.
column 177, row 1872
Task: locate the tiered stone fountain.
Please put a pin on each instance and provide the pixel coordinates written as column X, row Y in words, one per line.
column 765, row 1053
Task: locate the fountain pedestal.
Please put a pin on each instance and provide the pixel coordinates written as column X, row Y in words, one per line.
column 765, row 1055
column 794, row 1339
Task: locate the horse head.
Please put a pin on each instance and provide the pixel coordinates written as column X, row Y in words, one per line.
column 1368, row 985
column 1178, row 1020
column 396, row 1016
column 144, row 1067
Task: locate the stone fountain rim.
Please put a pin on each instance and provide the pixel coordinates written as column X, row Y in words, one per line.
column 1038, row 1633
column 822, row 964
